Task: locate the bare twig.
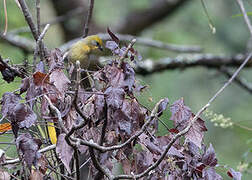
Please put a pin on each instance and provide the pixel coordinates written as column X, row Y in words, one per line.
column 88, row 18
column 240, row 81
column 58, row 114
column 38, row 46
column 28, row 18
column 14, row 161
column 6, row 18
column 38, row 16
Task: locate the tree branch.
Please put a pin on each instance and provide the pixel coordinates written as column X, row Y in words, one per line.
column 148, row 67
column 88, row 19
column 17, row 160
column 240, row 81
column 18, row 41
column 28, row 18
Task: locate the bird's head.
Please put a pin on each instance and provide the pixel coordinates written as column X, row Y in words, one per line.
column 94, row 42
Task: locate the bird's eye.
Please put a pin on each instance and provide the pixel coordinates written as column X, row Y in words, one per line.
column 97, row 44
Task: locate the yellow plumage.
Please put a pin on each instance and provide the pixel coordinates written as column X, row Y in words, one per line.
column 82, row 51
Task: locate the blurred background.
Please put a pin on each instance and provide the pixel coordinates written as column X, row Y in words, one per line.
column 185, row 23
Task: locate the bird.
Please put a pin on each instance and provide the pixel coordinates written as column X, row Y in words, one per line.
column 87, row 51
column 84, row 49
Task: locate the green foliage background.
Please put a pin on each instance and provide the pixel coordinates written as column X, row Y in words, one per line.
column 189, row 25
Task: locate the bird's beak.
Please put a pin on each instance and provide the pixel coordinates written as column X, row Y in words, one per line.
column 100, row 48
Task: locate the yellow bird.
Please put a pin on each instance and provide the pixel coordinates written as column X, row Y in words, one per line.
column 84, row 49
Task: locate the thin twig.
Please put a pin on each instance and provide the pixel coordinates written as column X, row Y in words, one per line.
column 38, row 46
column 6, row 18
column 17, row 160
column 88, row 18
column 28, row 18
column 58, row 114
column 240, row 81
column 38, row 16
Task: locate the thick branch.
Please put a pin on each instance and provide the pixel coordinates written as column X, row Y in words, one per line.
column 18, row 41
column 181, row 62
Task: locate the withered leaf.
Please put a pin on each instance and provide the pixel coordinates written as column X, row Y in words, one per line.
column 112, row 45
column 196, row 132
column 210, row 173
column 28, row 147
column 233, row 174
column 162, row 106
column 9, row 101
column 60, row 81
column 64, row 151
column 114, row 97
column 129, row 79
column 24, row 85
column 23, row 115
column 55, row 60
column 40, row 67
column 113, row 36
column 209, row 157
column 40, row 78
column 128, row 119
column 181, row 114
